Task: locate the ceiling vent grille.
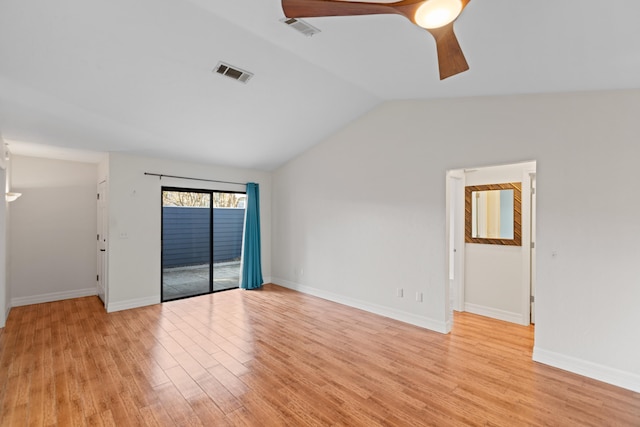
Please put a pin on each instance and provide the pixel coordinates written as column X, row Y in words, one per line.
column 233, row 72
column 301, row 26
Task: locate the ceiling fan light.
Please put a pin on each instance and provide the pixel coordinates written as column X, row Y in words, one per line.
column 12, row 196
column 437, row 13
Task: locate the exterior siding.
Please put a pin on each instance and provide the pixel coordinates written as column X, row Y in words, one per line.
column 228, row 225
column 185, row 235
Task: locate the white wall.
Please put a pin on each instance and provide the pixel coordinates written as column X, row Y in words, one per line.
column 364, row 213
column 494, row 274
column 4, row 289
column 53, row 230
column 134, row 276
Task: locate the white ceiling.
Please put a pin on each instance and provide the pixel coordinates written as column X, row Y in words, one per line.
column 136, row 75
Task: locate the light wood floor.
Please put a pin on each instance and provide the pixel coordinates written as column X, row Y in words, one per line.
column 278, row 357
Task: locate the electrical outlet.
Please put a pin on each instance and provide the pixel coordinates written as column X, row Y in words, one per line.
column 419, row 296
column 400, row 293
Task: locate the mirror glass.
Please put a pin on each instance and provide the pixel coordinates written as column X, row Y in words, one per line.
column 493, row 214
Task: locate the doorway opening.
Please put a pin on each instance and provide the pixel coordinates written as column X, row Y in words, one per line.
column 202, row 234
column 491, row 280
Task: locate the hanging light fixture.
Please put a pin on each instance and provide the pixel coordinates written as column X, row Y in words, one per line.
column 12, row 196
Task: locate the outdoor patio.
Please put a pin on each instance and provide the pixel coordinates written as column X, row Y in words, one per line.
column 179, row 282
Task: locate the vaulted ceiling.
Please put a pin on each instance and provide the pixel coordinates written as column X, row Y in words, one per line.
column 136, row 75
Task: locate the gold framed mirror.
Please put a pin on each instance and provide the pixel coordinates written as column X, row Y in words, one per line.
column 493, row 214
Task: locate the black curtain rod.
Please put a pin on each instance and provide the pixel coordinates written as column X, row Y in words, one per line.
column 193, row 179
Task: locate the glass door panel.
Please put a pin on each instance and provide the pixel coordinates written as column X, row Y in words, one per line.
column 228, row 228
column 186, row 243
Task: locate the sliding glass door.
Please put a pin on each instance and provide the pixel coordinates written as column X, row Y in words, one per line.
column 201, row 241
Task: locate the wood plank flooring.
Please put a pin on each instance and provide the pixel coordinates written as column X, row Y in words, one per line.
column 276, row 357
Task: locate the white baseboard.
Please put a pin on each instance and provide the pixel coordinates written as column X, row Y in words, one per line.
column 132, row 303
column 598, row 372
column 54, row 296
column 3, row 322
column 391, row 313
column 494, row 313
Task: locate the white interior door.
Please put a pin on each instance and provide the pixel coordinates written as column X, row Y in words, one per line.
column 102, row 242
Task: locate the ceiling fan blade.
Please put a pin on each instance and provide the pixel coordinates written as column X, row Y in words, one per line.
column 451, row 60
column 318, row 8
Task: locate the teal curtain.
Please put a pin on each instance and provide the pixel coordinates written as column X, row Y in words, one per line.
column 251, row 265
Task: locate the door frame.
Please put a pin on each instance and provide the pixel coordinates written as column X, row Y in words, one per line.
column 102, row 242
column 211, row 234
column 528, row 240
column 458, row 237
column 533, row 254
column 452, row 226
column 455, row 183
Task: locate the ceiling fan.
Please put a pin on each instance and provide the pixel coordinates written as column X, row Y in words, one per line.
column 435, row 16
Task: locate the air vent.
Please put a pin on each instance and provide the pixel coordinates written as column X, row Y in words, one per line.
column 301, row 26
column 233, row 72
